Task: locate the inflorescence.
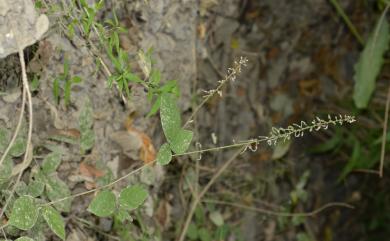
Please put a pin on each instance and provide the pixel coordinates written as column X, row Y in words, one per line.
column 298, row 130
column 230, row 76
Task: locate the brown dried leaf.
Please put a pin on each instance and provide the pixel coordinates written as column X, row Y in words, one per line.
column 90, row 171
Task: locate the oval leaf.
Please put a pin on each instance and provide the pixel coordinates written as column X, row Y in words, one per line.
column 170, row 116
column 57, row 189
column 370, row 63
column 51, row 162
column 24, row 213
column 164, row 155
column 54, row 220
column 104, row 204
column 132, row 197
column 182, row 140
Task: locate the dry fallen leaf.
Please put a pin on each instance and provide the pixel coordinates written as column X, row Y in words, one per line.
column 90, row 171
column 147, row 150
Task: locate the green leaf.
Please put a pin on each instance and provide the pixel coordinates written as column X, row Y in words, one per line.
column 170, row 116
column 164, row 155
column 19, row 147
column 6, row 170
column 370, row 63
column 155, row 107
column 216, row 218
column 54, row 220
column 178, row 138
column 204, row 235
column 51, row 162
column 87, row 140
column 34, row 83
column 182, row 140
column 104, row 204
column 122, row 215
column 24, row 213
column 34, row 189
column 132, row 197
column 24, row 238
column 192, row 231
column 86, row 116
column 4, row 139
column 57, row 189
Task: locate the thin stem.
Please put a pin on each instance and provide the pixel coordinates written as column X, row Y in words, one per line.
column 16, row 132
column 384, row 134
column 197, row 199
column 347, row 21
column 282, row 214
column 27, row 153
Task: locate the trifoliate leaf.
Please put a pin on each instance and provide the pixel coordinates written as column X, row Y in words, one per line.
column 57, row 189
column 132, row 197
column 104, row 204
column 54, row 220
column 51, row 162
column 164, row 155
column 24, row 213
column 370, row 63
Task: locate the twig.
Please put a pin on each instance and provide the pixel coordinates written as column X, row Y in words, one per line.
column 282, row 214
column 197, row 199
column 384, row 134
column 348, row 22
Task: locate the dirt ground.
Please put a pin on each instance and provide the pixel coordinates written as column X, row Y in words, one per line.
column 301, row 57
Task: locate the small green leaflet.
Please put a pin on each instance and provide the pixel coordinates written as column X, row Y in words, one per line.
column 192, row 231
column 57, row 189
column 24, row 238
column 370, row 63
column 6, row 170
column 132, row 197
column 170, row 116
column 178, row 138
column 34, row 189
column 104, row 204
column 182, row 140
column 87, row 138
column 54, row 219
column 123, row 215
column 51, row 162
column 24, row 213
column 164, row 155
